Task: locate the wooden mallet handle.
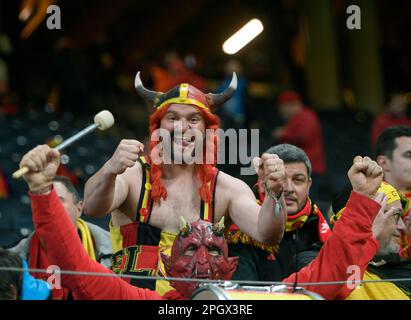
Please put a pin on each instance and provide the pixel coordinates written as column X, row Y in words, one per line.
column 102, row 120
column 21, row 172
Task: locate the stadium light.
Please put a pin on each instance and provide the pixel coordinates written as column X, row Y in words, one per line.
column 243, row 36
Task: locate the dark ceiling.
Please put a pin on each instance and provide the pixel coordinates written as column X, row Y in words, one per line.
column 139, row 33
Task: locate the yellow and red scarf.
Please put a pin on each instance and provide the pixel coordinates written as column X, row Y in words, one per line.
column 294, row 222
column 297, row 220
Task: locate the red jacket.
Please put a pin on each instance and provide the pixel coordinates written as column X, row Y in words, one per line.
column 304, row 131
column 351, row 243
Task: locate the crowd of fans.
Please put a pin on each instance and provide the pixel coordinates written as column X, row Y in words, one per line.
column 314, row 192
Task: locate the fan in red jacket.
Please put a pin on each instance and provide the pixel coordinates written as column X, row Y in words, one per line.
column 302, row 128
column 200, row 250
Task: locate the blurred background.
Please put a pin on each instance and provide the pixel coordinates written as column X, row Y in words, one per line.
column 52, row 82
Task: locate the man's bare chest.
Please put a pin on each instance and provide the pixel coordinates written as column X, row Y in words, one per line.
column 166, row 214
column 183, row 199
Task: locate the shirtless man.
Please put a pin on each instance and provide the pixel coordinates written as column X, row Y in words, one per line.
column 121, row 187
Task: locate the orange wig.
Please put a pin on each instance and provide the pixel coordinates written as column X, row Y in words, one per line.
column 204, row 171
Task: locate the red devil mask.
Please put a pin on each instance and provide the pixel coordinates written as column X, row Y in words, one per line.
column 199, row 251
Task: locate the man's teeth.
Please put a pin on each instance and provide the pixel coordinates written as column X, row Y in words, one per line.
column 186, row 138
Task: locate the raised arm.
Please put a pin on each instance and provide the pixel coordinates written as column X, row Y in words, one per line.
column 352, row 244
column 264, row 223
column 64, row 249
column 350, row 248
column 63, row 245
column 109, row 187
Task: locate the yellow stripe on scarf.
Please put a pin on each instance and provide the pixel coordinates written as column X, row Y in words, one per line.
column 116, row 237
column 166, row 242
column 86, row 239
column 297, row 223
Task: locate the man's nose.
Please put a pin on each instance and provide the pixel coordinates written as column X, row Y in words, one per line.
column 181, row 125
column 288, row 185
column 401, row 225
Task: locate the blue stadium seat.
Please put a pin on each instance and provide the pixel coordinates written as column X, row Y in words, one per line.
column 23, row 223
column 6, row 220
column 9, row 239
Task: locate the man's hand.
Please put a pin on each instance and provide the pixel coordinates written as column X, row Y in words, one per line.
column 43, row 163
column 270, row 169
column 380, row 221
column 125, row 156
column 365, row 176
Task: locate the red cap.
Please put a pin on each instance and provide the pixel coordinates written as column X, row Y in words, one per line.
column 288, row 96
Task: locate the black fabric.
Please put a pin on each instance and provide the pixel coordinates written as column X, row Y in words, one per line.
column 297, row 249
column 341, row 199
column 142, row 189
column 173, row 93
column 392, row 270
column 124, row 262
column 304, row 258
column 148, row 235
column 202, row 209
column 213, row 195
column 296, row 242
column 253, row 264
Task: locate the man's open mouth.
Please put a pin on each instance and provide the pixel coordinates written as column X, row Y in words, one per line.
column 184, row 140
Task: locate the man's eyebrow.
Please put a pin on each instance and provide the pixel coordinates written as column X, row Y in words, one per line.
column 299, row 175
column 194, row 113
column 395, row 212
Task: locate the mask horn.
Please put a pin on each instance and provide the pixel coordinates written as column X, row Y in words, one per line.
column 185, row 227
column 218, row 227
column 214, row 100
column 149, row 96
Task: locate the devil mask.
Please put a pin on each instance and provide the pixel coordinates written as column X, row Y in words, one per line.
column 199, row 251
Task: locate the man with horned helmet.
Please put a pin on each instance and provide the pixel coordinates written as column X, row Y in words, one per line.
column 146, row 199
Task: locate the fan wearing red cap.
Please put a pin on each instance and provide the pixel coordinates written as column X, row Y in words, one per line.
column 302, row 128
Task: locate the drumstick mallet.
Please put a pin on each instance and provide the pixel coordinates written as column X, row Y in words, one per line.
column 102, row 121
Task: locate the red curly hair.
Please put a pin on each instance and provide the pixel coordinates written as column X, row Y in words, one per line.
column 204, row 171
